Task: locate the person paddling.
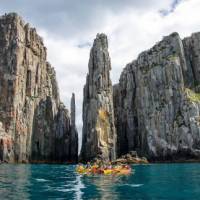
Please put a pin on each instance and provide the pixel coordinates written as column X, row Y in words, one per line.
column 109, row 166
column 80, row 168
column 88, row 166
column 94, row 168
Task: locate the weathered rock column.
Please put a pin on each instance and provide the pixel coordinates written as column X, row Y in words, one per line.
column 99, row 135
column 74, row 133
column 73, row 110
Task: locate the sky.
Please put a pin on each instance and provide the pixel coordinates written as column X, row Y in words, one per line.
column 69, row 27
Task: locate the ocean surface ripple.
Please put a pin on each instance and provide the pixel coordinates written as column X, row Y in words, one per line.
column 147, row 182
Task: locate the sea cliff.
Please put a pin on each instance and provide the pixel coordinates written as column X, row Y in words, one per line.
column 155, row 104
column 35, row 126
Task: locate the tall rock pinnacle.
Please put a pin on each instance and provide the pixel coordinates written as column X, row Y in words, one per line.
column 74, row 132
column 73, row 110
column 99, row 135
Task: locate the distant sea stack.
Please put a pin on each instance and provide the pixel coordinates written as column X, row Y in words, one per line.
column 157, row 101
column 99, row 135
column 74, row 132
column 34, row 124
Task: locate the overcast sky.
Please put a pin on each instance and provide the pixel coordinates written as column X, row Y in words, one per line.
column 69, row 27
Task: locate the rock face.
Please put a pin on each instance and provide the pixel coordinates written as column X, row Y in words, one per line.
column 74, row 132
column 99, row 135
column 34, row 124
column 157, row 101
column 130, row 158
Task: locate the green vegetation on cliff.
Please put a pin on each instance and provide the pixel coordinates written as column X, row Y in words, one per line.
column 192, row 96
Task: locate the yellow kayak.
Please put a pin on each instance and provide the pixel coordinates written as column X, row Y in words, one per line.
column 124, row 171
column 82, row 170
column 108, row 171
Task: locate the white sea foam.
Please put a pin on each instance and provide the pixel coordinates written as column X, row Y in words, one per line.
column 65, row 189
column 135, row 185
column 41, row 180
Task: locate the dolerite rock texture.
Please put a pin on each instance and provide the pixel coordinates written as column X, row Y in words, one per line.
column 99, row 135
column 74, row 132
column 157, row 101
column 34, row 124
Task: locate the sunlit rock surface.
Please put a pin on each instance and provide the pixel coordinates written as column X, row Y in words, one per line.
column 99, row 135
column 157, row 101
column 34, row 124
column 73, row 132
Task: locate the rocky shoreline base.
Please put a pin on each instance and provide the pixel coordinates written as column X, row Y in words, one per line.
column 131, row 158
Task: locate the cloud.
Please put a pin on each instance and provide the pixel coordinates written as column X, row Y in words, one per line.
column 70, row 62
column 69, row 27
column 83, row 45
column 70, row 18
column 171, row 9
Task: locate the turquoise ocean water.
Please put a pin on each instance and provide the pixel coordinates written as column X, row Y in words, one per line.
column 155, row 181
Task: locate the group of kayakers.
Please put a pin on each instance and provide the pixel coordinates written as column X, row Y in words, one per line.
column 103, row 168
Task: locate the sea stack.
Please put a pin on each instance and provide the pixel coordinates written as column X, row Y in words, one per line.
column 34, row 124
column 74, row 132
column 99, row 135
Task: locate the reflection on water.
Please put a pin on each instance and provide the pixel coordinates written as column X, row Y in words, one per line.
column 78, row 186
column 159, row 181
column 104, row 186
column 15, row 182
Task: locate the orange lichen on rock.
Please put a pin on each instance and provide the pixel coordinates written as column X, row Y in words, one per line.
column 103, row 115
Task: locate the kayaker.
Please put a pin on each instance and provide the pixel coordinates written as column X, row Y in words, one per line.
column 80, row 167
column 94, row 168
column 109, row 166
column 88, row 166
column 95, row 165
column 100, row 168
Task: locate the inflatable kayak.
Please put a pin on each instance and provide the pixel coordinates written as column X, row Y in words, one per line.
column 108, row 171
column 83, row 171
column 123, row 171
